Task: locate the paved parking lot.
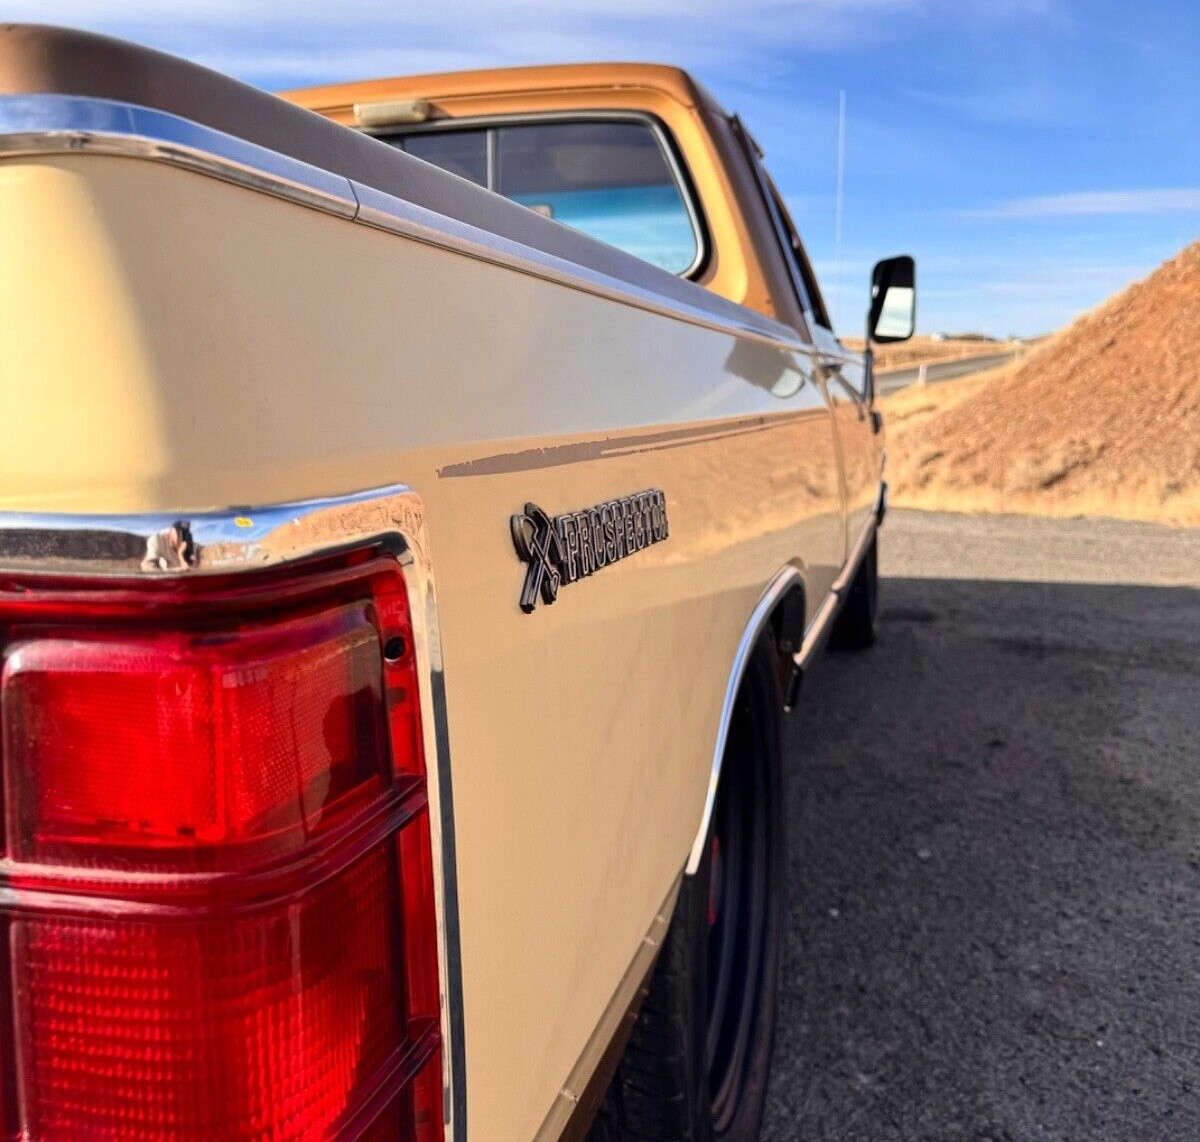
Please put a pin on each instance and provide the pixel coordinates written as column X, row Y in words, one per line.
column 995, row 846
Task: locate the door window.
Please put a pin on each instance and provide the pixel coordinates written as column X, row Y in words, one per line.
column 612, row 179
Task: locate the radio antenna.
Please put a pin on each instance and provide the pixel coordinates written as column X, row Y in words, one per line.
column 837, row 224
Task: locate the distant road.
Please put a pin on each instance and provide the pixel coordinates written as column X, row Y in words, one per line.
column 890, row 380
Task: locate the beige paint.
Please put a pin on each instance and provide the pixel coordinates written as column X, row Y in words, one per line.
column 861, row 453
column 169, row 343
column 745, row 264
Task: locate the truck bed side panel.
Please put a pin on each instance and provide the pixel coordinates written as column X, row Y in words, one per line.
column 170, row 342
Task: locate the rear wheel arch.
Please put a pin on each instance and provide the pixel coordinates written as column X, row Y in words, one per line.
column 780, row 611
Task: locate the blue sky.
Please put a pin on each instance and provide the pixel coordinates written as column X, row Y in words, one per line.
column 1035, row 155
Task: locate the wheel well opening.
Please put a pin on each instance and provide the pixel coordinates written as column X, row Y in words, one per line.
column 787, row 623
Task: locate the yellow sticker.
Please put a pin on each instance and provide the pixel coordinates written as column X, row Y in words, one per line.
column 242, row 521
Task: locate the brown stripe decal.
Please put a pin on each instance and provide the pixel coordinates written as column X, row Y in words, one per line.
column 610, row 447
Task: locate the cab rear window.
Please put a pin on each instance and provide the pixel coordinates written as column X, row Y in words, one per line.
column 612, row 179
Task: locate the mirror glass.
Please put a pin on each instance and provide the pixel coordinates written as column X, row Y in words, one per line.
column 893, row 315
column 896, row 317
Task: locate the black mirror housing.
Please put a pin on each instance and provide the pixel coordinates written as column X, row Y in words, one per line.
column 893, row 313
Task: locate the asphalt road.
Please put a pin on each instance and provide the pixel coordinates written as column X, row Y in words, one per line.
column 892, row 379
column 994, row 850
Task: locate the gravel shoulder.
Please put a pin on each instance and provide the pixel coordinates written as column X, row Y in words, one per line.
column 994, row 858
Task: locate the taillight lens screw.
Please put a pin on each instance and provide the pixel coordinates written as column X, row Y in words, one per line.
column 394, row 649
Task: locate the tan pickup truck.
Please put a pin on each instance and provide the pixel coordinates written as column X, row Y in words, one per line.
column 414, row 520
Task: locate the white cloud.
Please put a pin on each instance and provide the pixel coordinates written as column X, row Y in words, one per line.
column 262, row 40
column 1183, row 200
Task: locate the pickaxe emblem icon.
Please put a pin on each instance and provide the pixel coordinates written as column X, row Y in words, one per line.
column 536, row 540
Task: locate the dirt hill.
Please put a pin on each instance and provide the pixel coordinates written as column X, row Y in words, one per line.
column 1104, row 419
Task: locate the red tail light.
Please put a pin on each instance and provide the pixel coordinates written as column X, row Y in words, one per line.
column 217, row 878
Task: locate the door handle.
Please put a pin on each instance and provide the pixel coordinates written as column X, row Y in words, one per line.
column 832, row 368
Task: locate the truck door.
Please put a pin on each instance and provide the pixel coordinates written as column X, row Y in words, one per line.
column 859, row 444
column 839, row 371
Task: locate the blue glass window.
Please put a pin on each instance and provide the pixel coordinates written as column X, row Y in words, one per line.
column 611, row 179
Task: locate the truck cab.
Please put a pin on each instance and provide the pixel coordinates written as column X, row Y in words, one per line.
column 642, row 157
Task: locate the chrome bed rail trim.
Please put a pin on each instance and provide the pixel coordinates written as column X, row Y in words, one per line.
column 242, row 539
column 385, row 212
column 65, row 124
column 69, row 124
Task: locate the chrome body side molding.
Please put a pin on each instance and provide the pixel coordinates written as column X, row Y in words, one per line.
column 821, row 627
column 580, row 1097
column 869, row 528
column 391, row 519
column 64, row 124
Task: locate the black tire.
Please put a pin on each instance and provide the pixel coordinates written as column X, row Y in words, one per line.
column 696, row 1066
column 855, row 625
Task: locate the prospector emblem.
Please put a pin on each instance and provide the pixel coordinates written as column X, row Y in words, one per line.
column 561, row 549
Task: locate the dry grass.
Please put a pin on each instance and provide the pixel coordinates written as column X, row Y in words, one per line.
column 925, row 350
column 1102, row 420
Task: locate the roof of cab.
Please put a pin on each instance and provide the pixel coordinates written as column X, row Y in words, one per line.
column 509, row 81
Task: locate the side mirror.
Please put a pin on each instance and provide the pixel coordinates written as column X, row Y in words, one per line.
column 893, row 315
